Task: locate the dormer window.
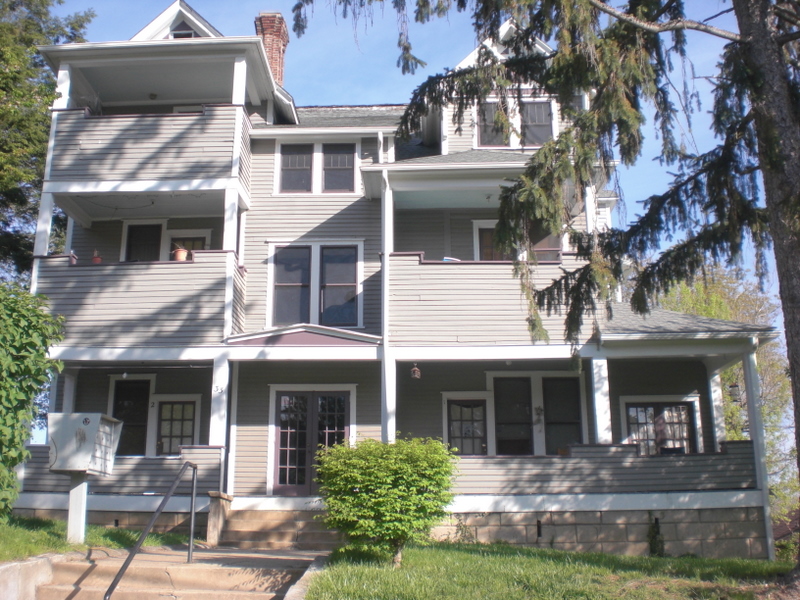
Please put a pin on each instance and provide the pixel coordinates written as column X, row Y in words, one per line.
column 531, row 126
column 182, row 31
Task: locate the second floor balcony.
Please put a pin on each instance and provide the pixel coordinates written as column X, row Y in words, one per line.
column 197, row 145
column 176, row 303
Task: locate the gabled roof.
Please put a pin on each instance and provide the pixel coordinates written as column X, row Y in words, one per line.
column 173, row 16
column 304, row 335
column 506, row 30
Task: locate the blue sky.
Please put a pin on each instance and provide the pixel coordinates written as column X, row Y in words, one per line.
column 339, row 62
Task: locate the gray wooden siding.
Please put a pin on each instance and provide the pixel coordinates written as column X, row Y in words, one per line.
column 306, row 218
column 663, row 377
column 369, row 151
column 459, row 141
column 132, row 474
column 252, row 420
column 106, row 237
column 245, row 155
column 175, row 146
column 438, row 303
column 166, row 303
column 604, row 470
column 92, row 388
column 438, row 233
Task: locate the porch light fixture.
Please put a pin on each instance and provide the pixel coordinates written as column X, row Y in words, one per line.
column 415, row 372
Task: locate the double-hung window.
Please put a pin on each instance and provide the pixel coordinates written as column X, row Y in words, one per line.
column 318, row 168
column 317, row 283
column 531, row 124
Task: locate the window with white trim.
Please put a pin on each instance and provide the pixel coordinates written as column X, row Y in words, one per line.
column 662, row 424
column 522, row 413
column 152, row 424
column 546, row 246
column 317, row 282
column 318, row 168
column 531, row 124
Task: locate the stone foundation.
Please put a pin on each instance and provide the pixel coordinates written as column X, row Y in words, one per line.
column 178, row 522
column 711, row 533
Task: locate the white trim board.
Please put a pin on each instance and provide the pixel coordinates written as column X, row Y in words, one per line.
column 111, row 502
column 547, row 502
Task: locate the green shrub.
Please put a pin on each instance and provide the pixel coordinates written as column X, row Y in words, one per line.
column 384, row 495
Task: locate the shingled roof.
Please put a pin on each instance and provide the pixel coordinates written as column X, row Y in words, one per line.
column 385, row 115
column 666, row 322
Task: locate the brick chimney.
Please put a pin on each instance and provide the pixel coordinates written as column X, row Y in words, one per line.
column 271, row 28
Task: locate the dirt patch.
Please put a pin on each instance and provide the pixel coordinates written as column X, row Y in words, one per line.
column 785, row 588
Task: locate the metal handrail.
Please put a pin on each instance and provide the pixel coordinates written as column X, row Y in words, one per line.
column 152, row 522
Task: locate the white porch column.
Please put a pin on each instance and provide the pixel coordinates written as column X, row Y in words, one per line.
column 717, row 408
column 753, row 395
column 63, row 85
column 68, row 398
column 41, row 242
column 602, row 401
column 389, row 364
column 389, row 400
column 219, row 401
column 231, row 215
column 239, row 86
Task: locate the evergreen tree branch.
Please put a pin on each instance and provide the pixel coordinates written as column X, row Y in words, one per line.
column 673, row 25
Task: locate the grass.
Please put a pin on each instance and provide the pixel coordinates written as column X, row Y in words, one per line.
column 487, row 572
column 24, row 537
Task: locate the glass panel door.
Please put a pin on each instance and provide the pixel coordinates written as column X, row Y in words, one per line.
column 513, row 420
column 175, row 427
column 305, row 422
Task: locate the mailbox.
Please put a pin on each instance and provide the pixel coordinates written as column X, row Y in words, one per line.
column 84, row 442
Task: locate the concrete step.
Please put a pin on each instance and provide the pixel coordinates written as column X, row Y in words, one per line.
column 156, row 574
column 273, row 525
column 71, row 592
column 274, row 529
column 289, row 516
column 265, row 545
column 194, row 576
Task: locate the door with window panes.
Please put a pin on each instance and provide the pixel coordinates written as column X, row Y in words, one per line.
column 305, row 421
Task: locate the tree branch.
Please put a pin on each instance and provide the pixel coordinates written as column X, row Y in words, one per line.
column 788, row 37
column 663, row 27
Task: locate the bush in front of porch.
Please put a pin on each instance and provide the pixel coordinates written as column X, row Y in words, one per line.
column 383, row 495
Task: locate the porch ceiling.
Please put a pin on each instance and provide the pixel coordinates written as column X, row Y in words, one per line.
column 97, row 207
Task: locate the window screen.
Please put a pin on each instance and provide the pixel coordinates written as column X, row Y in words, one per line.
column 338, row 167
column 296, row 167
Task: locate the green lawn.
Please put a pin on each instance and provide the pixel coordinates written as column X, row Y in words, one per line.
column 488, row 572
column 22, row 537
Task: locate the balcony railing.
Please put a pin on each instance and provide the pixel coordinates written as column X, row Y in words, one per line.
column 607, row 470
column 148, row 303
column 450, row 303
column 155, row 146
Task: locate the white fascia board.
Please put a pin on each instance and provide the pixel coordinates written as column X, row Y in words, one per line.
column 110, row 502
column 209, row 353
column 545, row 502
column 481, row 353
column 603, row 502
column 401, row 168
column 139, row 185
column 315, row 133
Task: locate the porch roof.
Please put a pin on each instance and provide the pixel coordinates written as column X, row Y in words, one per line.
column 666, row 324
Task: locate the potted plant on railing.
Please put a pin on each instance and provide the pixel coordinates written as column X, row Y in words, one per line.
column 180, row 252
column 96, row 258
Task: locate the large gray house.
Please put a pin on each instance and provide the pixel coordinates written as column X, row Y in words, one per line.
column 247, row 279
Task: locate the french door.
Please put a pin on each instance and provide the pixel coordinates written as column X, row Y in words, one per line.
column 305, row 421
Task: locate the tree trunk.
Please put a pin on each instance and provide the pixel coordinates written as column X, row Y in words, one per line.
column 778, row 130
column 397, row 559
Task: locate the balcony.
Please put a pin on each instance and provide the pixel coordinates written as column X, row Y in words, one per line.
column 145, row 303
column 441, row 303
column 125, row 147
column 607, row 470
